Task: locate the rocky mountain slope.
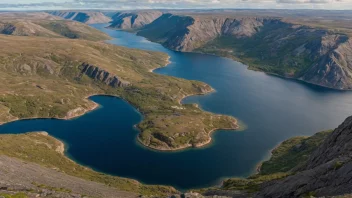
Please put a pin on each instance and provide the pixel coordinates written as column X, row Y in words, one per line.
column 274, row 45
column 133, row 20
column 103, row 76
column 88, row 17
column 316, row 166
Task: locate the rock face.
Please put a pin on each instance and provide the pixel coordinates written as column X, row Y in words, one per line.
column 103, row 76
column 84, row 17
column 272, row 45
column 134, row 20
column 186, row 33
column 328, row 171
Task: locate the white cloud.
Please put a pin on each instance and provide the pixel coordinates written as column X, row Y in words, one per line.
column 174, row 4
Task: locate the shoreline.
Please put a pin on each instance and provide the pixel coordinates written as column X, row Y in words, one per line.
column 67, row 117
column 80, row 111
column 248, row 67
column 179, row 101
column 268, row 73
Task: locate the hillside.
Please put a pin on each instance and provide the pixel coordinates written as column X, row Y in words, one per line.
column 45, row 25
column 316, row 166
column 88, row 17
column 133, row 20
column 51, row 77
column 22, row 169
column 317, row 55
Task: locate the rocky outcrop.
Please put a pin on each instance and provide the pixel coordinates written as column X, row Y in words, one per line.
column 186, row 33
column 103, row 76
column 134, row 20
column 84, row 17
column 334, row 67
column 327, row 172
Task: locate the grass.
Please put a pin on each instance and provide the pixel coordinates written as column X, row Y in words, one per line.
column 41, row 78
column 292, row 153
column 271, row 50
column 41, row 149
column 38, row 24
column 289, row 155
column 16, row 195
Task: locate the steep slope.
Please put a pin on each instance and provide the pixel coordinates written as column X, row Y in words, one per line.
column 134, row 20
column 327, row 172
column 273, row 45
column 88, row 17
column 316, row 166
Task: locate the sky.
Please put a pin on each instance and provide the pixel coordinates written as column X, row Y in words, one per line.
column 173, row 4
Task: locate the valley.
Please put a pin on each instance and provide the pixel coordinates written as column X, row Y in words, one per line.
column 311, row 51
column 58, row 76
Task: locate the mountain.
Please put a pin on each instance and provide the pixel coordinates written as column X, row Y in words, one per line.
column 45, row 25
column 133, row 20
column 316, row 166
column 88, row 17
column 276, row 45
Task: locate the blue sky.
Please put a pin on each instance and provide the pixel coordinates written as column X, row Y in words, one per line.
column 172, row 4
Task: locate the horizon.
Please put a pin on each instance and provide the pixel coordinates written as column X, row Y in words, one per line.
column 40, row 5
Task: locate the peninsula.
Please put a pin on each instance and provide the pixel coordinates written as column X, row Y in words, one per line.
column 51, row 76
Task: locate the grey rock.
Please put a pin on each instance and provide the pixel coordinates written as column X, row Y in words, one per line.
column 103, row 76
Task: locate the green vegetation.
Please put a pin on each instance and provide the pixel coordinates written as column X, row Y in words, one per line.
column 42, row 78
column 74, row 30
column 289, row 155
column 43, row 150
column 292, row 153
column 272, row 49
column 17, row 195
column 38, row 24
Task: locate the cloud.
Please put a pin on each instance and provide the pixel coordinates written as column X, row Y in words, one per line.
column 172, row 4
column 309, row 1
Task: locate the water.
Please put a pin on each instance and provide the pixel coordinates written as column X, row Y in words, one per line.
column 272, row 108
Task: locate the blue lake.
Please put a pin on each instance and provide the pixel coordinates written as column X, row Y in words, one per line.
column 273, row 109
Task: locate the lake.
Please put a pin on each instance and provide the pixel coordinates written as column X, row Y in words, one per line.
column 273, row 109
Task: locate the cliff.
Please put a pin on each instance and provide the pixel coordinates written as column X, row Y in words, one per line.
column 133, row 20
column 274, row 45
column 87, row 17
column 103, row 76
column 327, row 172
